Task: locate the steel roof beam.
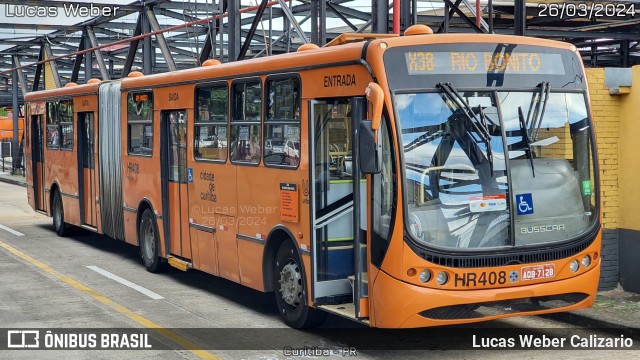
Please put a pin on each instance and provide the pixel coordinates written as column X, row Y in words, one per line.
column 164, row 48
column 252, row 29
column 104, row 73
column 133, row 48
column 293, row 21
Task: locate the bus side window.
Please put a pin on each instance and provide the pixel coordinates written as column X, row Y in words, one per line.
column 140, row 123
column 53, row 133
column 282, row 123
column 65, row 116
column 246, row 125
column 210, row 129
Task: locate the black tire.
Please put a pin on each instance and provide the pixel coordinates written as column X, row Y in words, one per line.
column 291, row 290
column 149, row 242
column 57, row 213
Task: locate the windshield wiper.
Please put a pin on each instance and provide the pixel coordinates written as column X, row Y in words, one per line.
column 530, row 127
column 526, row 139
column 540, row 100
column 477, row 119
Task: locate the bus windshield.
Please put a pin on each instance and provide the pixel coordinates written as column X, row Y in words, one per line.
column 517, row 170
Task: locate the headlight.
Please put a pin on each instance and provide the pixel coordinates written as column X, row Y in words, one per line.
column 574, row 265
column 586, row 261
column 442, row 278
column 415, row 226
column 425, row 275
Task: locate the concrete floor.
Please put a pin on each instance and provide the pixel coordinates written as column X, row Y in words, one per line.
column 46, row 282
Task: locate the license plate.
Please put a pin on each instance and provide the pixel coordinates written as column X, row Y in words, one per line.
column 538, row 272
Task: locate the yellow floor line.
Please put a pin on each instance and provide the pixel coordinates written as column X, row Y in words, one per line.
column 105, row 300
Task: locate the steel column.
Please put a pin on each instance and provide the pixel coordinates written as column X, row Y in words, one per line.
column 162, row 43
column 322, row 30
column 16, row 110
column 405, row 14
column 77, row 63
column 233, row 46
column 94, row 43
column 23, row 83
column 319, row 22
column 519, row 17
column 624, row 53
column 269, row 50
column 38, row 74
column 88, row 64
column 52, row 64
column 314, row 22
column 147, row 51
column 490, row 10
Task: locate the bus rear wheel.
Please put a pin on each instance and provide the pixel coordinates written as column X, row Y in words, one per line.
column 148, row 240
column 291, row 291
column 57, row 213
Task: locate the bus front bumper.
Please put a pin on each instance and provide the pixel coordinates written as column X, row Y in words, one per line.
column 398, row 304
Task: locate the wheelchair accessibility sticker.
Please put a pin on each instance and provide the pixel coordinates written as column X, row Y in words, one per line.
column 524, row 204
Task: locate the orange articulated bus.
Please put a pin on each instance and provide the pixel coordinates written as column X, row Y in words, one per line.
column 6, row 127
column 398, row 181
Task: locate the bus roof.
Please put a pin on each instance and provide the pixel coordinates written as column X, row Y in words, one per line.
column 339, row 54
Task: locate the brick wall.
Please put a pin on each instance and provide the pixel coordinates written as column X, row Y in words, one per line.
column 606, row 114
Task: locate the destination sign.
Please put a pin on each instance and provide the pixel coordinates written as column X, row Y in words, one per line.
column 479, row 62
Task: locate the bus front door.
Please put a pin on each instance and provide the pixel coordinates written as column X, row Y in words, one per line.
column 88, row 190
column 37, row 161
column 338, row 214
column 175, row 200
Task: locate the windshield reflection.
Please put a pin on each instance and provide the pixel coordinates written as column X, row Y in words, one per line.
column 454, row 200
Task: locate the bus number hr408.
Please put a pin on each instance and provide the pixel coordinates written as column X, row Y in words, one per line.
column 484, row 278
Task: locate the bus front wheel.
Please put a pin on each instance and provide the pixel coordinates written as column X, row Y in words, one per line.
column 57, row 213
column 148, row 240
column 291, row 290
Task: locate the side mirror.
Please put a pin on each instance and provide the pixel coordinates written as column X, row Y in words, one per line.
column 375, row 95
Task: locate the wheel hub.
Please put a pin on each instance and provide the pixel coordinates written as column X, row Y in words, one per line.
column 149, row 240
column 291, row 284
column 58, row 212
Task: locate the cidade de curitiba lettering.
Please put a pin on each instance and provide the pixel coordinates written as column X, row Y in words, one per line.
column 68, row 10
column 544, row 341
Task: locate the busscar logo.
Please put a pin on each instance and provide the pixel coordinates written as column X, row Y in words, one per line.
column 23, row 339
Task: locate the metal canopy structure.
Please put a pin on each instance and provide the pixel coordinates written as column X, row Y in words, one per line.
column 155, row 36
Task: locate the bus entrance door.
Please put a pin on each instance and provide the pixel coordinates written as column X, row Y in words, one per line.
column 175, row 200
column 86, row 171
column 337, row 211
column 37, row 161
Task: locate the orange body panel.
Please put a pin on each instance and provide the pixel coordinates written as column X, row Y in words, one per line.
column 227, row 246
column 250, row 255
